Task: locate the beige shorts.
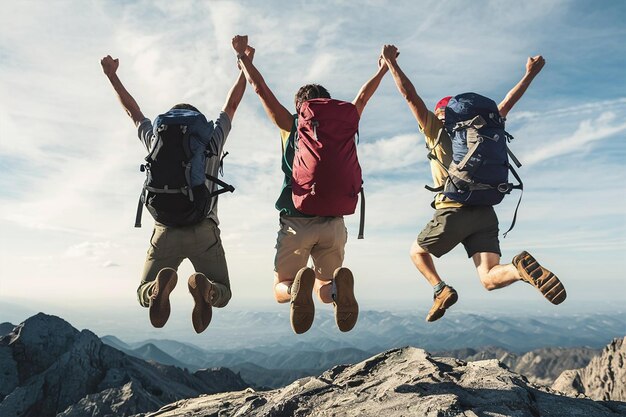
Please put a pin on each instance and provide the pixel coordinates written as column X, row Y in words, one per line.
column 322, row 238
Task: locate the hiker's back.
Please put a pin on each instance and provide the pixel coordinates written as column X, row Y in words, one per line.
column 478, row 174
column 175, row 191
column 326, row 172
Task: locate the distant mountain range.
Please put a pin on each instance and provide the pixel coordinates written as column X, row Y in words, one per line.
column 517, row 342
column 380, row 330
column 283, row 366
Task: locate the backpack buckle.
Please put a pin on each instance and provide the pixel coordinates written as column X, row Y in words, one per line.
column 505, row 188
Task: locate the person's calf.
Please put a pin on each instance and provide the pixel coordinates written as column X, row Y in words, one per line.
column 324, row 291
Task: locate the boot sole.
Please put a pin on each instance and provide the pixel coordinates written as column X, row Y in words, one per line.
column 160, row 308
column 539, row 277
column 346, row 307
column 447, row 303
column 302, row 311
column 202, row 310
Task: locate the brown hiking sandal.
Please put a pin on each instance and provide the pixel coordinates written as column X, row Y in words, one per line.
column 201, row 290
column 345, row 305
column 302, row 311
column 443, row 301
column 160, row 308
column 539, row 277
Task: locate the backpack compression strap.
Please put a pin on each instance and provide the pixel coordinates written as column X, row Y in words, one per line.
column 520, row 187
column 362, row 220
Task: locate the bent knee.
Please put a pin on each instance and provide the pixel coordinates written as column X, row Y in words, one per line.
column 488, row 284
column 416, row 249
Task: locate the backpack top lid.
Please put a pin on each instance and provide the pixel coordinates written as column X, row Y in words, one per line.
column 195, row 121
column 466, row 106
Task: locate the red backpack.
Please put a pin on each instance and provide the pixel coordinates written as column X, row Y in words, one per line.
column 326, row 177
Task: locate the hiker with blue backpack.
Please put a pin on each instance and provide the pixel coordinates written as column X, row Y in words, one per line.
column 468, row 153
column 322, row 181
column 180, row 191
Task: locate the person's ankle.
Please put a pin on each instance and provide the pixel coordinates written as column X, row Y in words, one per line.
column 439, row 287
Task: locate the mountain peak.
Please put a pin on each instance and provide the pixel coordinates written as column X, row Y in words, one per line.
column 49, row 368
column 405, row 381
column 604, row 378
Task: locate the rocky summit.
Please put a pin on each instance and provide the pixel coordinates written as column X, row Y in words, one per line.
column 401, row 382
column 604, row 378
column 49, row 368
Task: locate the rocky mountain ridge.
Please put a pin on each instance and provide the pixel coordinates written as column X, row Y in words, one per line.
column 604, row 378
column 50, row 368
column 401, row 382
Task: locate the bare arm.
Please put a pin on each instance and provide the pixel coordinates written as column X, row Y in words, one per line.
column 275, row 111
column 405, row 86
column 533, row 66
column 236, row 92
column 109, row 66
column 369, row 88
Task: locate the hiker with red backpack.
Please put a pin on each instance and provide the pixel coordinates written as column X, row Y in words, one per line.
column 180, row 191
column 322, row 180
column 468, row 158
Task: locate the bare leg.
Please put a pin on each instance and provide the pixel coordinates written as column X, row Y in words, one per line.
column 493, row 275
column 423, row 261
column 281, row 288
column 324, row 290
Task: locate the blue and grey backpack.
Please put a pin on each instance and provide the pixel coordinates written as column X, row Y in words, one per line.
column 176, row 190
column 478, row 173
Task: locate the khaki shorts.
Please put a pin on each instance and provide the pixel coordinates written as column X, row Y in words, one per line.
column 200, row 243
column 322, row 238
column 476, row 227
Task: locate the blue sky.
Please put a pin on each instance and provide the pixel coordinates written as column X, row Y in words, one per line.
column 69, row 154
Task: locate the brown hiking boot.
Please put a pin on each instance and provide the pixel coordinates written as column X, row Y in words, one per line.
column 202, row 291
column 160, row 308
column 444, row 300
column 302, row 309
column 345, row 305
column 539, row 277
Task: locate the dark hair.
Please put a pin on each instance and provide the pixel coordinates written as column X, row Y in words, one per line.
column 185, row 106
column 309, row 91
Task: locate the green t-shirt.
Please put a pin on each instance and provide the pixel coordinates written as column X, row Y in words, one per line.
column 284, row 204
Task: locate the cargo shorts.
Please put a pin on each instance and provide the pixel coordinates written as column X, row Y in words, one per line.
column 201, row 244
column 476, row 227
column 322, row 238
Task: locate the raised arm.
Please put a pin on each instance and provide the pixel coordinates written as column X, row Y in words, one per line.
column 109, row 66
column 369, row 88
column 275, row 111
column 533, row 66
column 406, row 88
column 236, row 92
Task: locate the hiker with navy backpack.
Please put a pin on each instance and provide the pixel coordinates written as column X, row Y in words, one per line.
column 469, row 162
column 180, row 191
column 322, row 181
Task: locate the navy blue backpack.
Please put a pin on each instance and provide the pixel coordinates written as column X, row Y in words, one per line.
column 478, row 173
column 176, row 190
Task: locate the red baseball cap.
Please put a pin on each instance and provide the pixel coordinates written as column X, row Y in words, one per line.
column 443, row 102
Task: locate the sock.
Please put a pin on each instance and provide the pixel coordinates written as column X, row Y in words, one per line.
column 439, row 287
column 289, row 289
column 334, row 291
